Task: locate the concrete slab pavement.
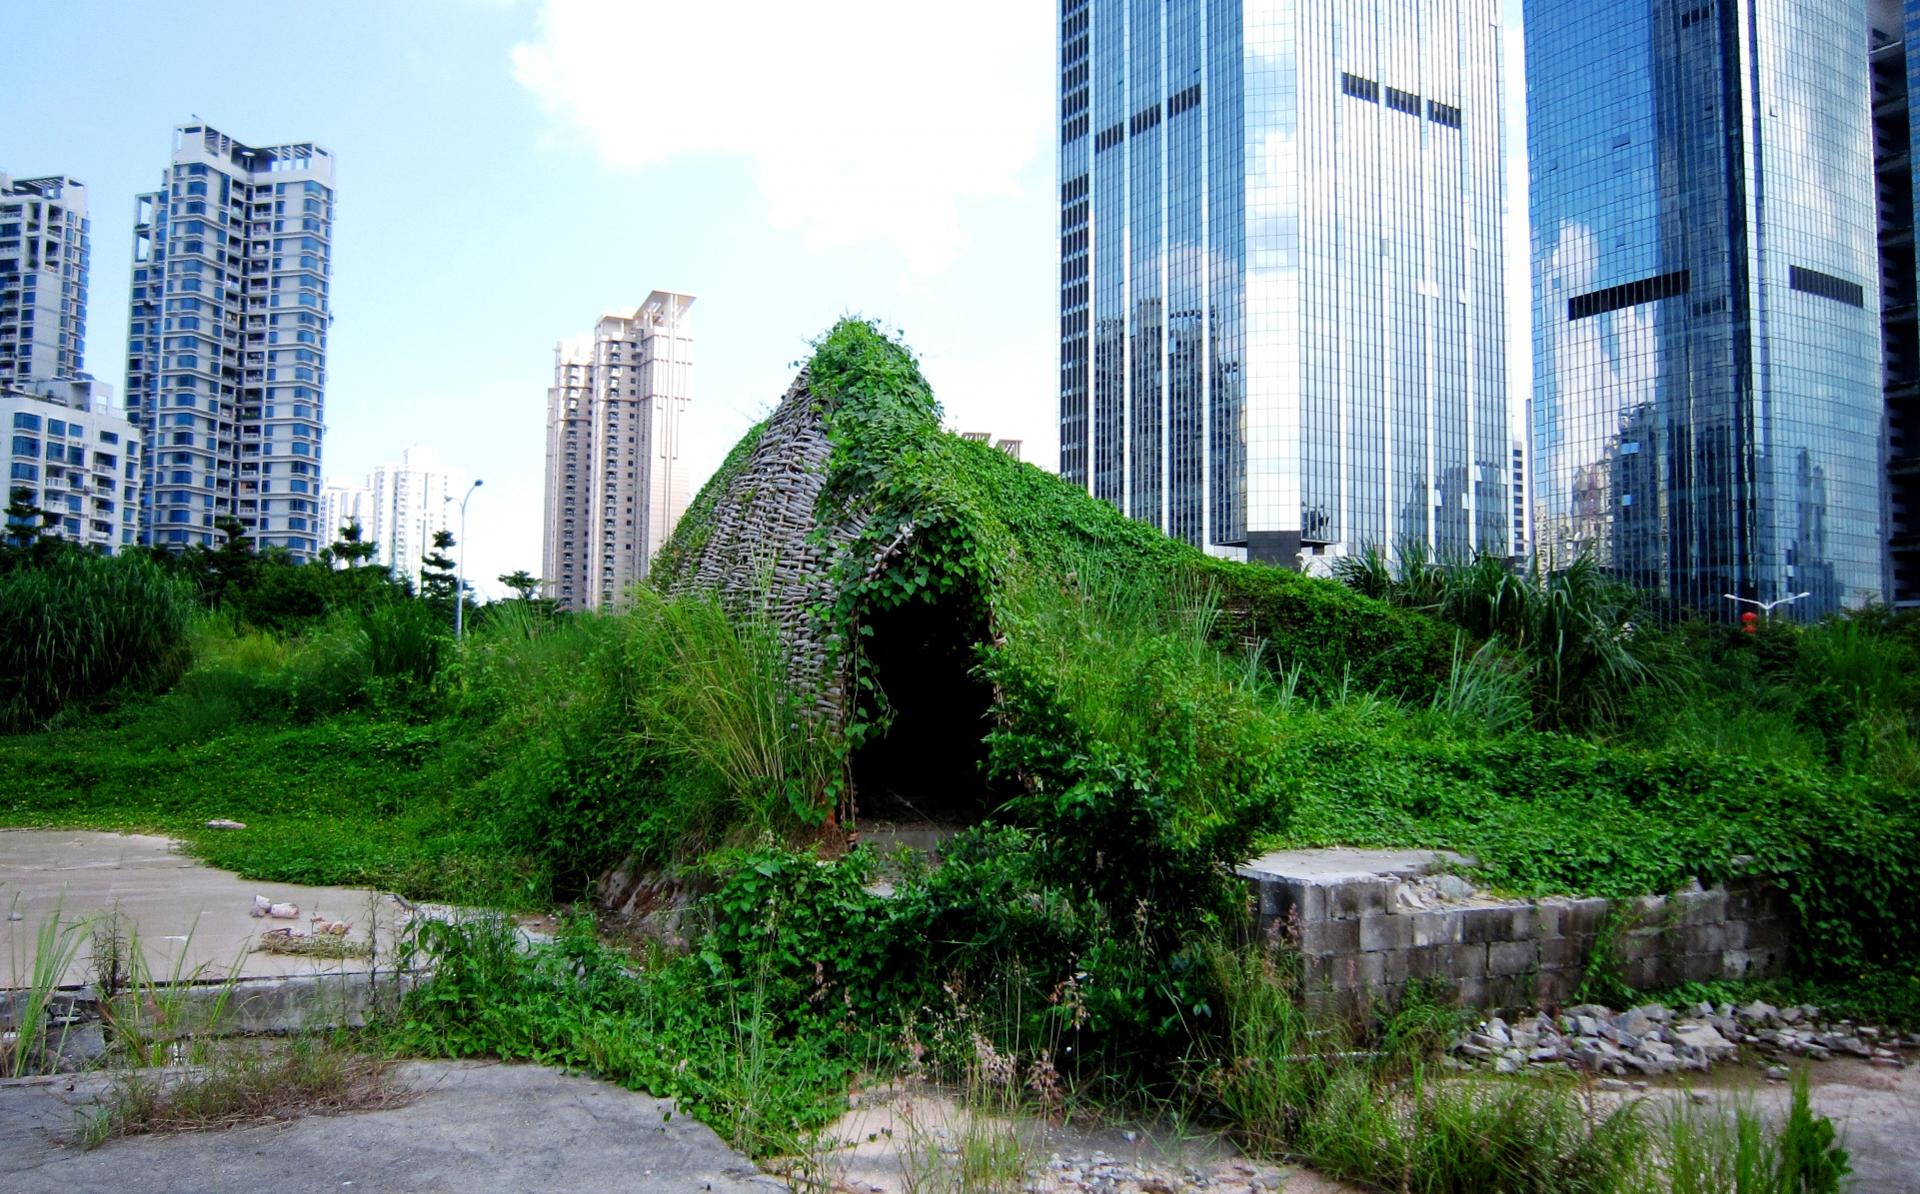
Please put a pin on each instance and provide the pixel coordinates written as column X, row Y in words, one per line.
column 190, row 918
column 473, row 1126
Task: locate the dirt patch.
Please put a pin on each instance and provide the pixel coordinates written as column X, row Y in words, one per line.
column 914, row 1137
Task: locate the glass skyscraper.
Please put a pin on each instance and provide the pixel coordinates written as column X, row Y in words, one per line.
column 1282, row 327
column 1895, row 54
column 1707, row 338
column 227, row 342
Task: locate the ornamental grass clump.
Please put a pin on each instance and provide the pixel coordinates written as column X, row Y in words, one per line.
column 80, row 627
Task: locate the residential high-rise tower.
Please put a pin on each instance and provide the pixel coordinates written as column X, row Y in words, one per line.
column 1281, row 302
column 1706, row 303
column 616, row 484
column 45, row 243
column 227, row 342
column 399, row 509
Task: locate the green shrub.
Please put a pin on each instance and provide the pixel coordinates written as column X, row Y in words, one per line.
column 711, row 1043
column 82, row 627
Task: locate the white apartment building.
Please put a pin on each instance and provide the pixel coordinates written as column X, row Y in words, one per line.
column 400, row 508
column 616, row 482
column 227, row 341
column 76, row 456
column 346, row 501
column 44, row 249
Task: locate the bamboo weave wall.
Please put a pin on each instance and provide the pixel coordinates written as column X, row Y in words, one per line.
column 763, row 556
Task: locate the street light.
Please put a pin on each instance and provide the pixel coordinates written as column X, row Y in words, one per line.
column 1767, row 607
column 460, row 567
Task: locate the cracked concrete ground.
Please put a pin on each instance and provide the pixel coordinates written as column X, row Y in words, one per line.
column 473, row 1126
column 191, row 921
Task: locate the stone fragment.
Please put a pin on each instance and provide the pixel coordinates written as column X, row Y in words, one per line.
column 1452, row 887
column 1758, row 1014
column 1704, row 1037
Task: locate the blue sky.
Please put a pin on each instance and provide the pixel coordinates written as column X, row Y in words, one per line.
column 509, row 169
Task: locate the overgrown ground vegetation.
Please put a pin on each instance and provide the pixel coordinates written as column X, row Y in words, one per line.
column 1152, row 715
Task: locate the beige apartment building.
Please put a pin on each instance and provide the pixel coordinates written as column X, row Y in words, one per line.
column 616, row 479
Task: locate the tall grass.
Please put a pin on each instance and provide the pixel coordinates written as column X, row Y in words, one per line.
column 666, row 729
column 29, row 1048
column 1707, row 1151
column 1573, row 627
column 1486, row 690
column 714, row 697
column 82, row 627
column 1370, row 1109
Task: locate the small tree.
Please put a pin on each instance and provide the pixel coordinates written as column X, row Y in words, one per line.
column 438, row 581
column 523, row 583
column 351, row 549
column 29, row 537
column 232, row 567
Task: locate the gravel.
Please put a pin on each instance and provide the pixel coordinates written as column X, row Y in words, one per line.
column 1652, row 1039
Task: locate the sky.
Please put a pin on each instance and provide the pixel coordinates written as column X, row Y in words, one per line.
column 508, row 170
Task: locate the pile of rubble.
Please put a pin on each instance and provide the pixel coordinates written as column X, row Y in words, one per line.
column 1101, row 1173
column 1653, row 1039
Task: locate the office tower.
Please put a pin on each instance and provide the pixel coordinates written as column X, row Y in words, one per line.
column 1519, row 539
column 45, row 242
column 227, row 341
column 1707, row 339
column 75, row 456
column 616, row 485
column 1895, row 56
column 1282, row 320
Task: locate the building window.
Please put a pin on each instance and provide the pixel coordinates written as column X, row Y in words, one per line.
column 1812, row 281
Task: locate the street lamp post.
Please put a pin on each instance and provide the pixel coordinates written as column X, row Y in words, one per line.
column 1766, row 608
column 460, row 568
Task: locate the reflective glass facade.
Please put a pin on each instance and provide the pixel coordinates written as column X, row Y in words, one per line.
column 1896, row 91
column 1281, row 296
column 1707, row 406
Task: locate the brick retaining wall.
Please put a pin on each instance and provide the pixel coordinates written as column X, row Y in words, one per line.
column 1359, row 937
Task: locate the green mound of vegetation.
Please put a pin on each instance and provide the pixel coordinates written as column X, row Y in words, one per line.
column 1116, row 717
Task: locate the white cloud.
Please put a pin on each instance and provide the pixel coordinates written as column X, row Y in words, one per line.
column 867, row 121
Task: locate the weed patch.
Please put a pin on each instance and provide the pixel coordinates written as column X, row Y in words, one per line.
column 242, row 1087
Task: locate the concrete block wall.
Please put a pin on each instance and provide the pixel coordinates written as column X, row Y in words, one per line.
column 1364, row 935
